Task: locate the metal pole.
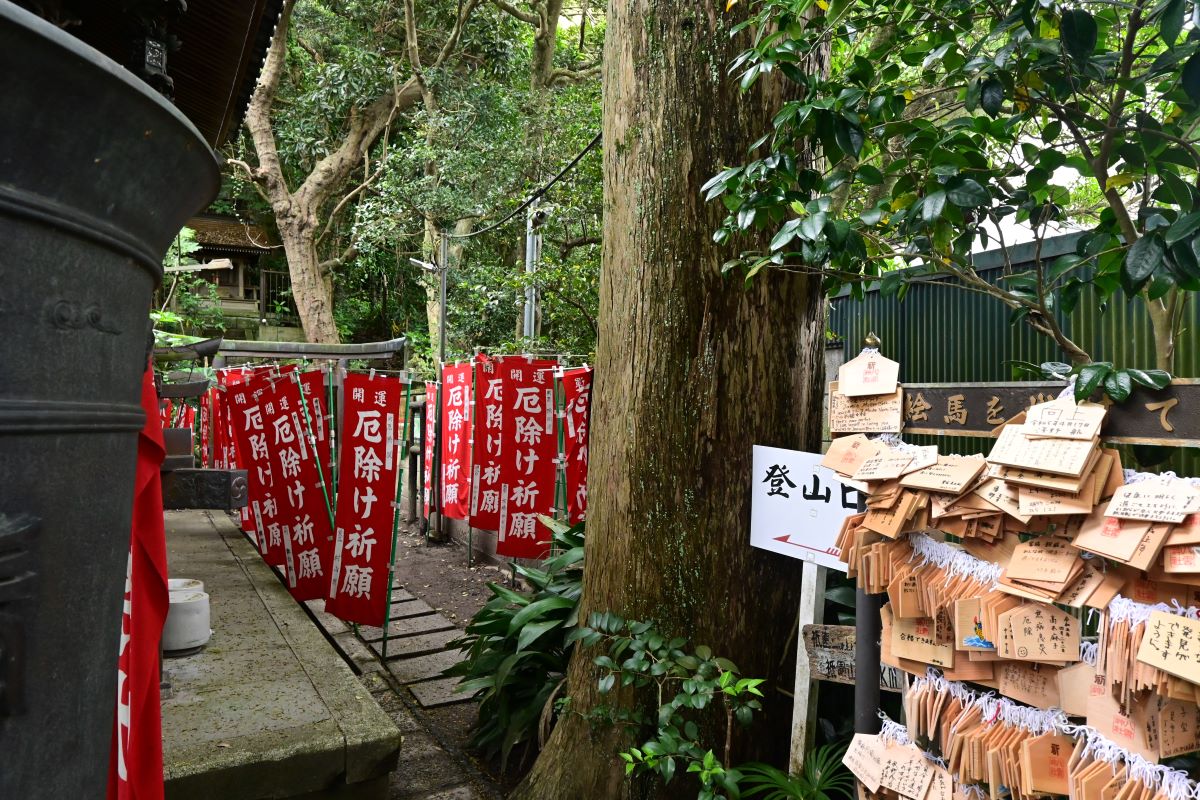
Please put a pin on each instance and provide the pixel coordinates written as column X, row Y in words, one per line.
column 868, row 629
column 438, row 532
column 391, row 581
column 531, row 255
column 443, row 269
column 414, row 468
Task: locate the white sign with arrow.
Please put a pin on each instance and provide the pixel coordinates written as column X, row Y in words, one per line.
column 798, row 506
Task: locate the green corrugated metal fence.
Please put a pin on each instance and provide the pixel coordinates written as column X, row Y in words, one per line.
column 941, row 333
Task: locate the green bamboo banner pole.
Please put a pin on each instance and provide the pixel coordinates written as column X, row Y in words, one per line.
column 332, row 416
column 470, row 499
column 312, row 440
column 387, row 614
column 560, row 479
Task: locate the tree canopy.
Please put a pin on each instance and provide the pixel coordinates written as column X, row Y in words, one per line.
column 939, row 120
column 470, row 126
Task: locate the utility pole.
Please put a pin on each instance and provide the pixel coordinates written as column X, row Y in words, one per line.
column 442, row 267
column 533, row 254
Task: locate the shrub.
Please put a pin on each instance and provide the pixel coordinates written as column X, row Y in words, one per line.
column 517, row 648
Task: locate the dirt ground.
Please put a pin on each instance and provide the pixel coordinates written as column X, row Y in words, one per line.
column 439, row 575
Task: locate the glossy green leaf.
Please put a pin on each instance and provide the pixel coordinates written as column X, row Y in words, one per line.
column 967, row 193
column 785, row 234
column 1150, row 378
column 850, row 137
column 869, row 175
column 1182, row 228
column 1142, row 259
column 932, row 205
column 1171, row 21
column 1079, row 33
column 1118, row 385
column 1189, row 78
column 812, row 226
column 533, row 631
column 1090, row 378
column 991, row 96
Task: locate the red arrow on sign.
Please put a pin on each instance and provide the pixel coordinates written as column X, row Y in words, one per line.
column 786, row 539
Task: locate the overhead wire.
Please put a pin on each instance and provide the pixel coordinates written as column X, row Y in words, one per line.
column 529, row 200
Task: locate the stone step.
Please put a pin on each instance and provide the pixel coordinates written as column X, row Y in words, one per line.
column 406, row 627
column 411, row 608
column 411, row 670
column 440, row 692
column 418, row 645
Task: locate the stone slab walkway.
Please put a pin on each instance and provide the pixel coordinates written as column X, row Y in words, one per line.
column 267, row 708
column 408, row 680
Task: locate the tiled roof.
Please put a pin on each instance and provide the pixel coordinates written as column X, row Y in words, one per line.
column 227, row 233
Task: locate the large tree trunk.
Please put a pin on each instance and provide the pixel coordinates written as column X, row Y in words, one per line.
column 693, row 368
column 296, row 211
column 433, row 304
column 545, row 40
column 310, row 289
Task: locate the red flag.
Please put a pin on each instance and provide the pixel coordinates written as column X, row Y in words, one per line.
column 313, row 383
column 456, row 441
column 229, row 457
column 206, row 402
column 135, row 764
column 234, row 458
column 430, row 440
column 528, row 451
column 372, row 438
column 218, row 431
column 307, row 530
column 489, row 411
column 577, row 400
column 245, row 403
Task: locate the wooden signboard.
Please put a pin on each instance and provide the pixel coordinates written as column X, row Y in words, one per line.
column 830, row 651
column 1163, row 416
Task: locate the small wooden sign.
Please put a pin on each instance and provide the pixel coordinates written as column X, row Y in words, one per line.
column 1150, row 416
column 830, row 651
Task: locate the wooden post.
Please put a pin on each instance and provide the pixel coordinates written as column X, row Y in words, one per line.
column 262, row 295
column 804, row 702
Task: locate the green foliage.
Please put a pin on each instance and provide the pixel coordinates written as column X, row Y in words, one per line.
column 517, row 650
column 687, row 681
column 1099, row 377
column 196, row 306
column 945, row 121
column 486, row 143
column 823, row 778
column 518, row 645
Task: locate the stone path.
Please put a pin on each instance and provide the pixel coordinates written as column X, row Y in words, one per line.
column 404, row 682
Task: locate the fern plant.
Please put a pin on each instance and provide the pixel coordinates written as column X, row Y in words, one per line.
column 823, row 778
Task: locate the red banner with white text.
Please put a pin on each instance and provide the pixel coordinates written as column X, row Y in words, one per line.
column 577, row 410
column 206, row 402
column 430, row 431
column 307, row 531
column 528, row 451
column 456, row 441
column 485, row 469
column 316, row 397
column 372, row 441
column 244, row 404
column 233, row 457
column 135, row 763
